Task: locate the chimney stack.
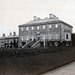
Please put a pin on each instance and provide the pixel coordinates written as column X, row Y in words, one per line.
column 51, row 15
column 3, row 35
column 14, row 33
column 35, row 18
column 10, row 34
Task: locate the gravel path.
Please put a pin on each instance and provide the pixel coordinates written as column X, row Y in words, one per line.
column 64, row 70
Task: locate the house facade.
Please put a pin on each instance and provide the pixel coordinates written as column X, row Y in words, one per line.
column 50, row 31
column 10, row 41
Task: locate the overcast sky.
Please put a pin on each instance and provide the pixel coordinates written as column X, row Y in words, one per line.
column 16, row 12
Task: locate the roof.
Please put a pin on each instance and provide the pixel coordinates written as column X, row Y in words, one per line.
column 43, row 22
column 2, row 38
column 9, row 37
column 40, row 22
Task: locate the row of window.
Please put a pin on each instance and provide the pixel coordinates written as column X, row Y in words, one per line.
column 38, row 27
column 43, row 37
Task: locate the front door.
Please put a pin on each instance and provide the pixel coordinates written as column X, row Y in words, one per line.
column 38, row 37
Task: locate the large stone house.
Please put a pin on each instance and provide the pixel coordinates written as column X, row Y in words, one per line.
column 49, row 31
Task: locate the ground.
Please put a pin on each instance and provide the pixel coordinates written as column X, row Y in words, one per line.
column 36, row 64
column 68, row 69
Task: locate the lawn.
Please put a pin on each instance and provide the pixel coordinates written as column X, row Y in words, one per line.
column 36, row 64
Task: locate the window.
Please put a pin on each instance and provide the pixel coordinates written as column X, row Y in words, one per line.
column 56, row 26
column 56, row 36
column 22, row 38
column 32, row 28
column 26, row 28
column 49, row 36
column 26, row 37
column 43, row 37
column 22, row 29
column 49, row 26
column 66, row 36
column 38, row 27
column 44, row 27
column 32, row 38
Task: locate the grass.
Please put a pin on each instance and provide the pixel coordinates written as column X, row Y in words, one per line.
column 36, row 64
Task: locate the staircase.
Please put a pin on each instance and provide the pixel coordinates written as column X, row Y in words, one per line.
column 26, row 44
column 36, row 44
column 29, row 44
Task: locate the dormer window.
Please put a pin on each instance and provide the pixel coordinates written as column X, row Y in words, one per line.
column 26, row 28
column 44, row 27
column 56, row 26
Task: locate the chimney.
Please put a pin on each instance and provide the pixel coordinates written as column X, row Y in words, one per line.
column 10, row 34
column 14, row 33
column 38, row 18
column 3, row 35
column 51, row 15
column 46, row 17
column 35, row 18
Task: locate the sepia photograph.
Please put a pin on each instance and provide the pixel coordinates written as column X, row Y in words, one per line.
column 37, row 37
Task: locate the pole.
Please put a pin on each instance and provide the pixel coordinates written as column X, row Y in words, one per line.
column 44, row 41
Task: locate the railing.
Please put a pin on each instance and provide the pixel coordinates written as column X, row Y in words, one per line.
column 35, row 43
column 26, row 44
